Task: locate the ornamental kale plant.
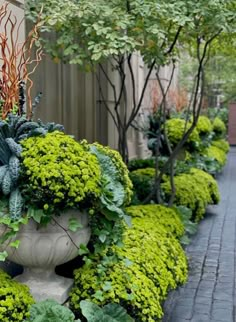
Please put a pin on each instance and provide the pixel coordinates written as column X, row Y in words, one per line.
column 12, row 131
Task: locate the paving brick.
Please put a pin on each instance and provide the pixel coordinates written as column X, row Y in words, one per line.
column 202, row 308
column 192, row 285
column 222, row 315
column 197, row 317
column 220, row 304
column 185, row 302
column 206, row 292
column 209, row 285
column 203, row 300
column 183, row 311
column 209, row 294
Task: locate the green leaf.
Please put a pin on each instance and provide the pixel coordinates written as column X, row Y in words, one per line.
column 107, row 286
column 184, row 240
column 102, row 238
column 117, row 313
column 99, row 294
column 109, row 313
column 3, row 256
column 128, row 220
column 128, row 262
column 36, row 214
column 16, row 203
column 83, row 250
column 74, row 224
column 15, row 244
column 50, row 311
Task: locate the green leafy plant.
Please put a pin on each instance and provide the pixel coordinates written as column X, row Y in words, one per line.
column 219, row 128
column 50, row 311
column 195, row 190
column 143, row 181
column 222, row 113
column 204, row 162
column 141, row 164
column 215, row 153
column 12, row 131
column 175, row 129
column 115, row 176
column 204, row 125
column 152, row 263
column 115, row 193
column 164, row 216
column 15, row 299
column 221, row 144
column 206, row 179
column 111, row 312
column 58, row 173
column 189, row 226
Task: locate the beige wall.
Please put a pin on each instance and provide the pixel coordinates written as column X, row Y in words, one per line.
column 17, row 9
column 71, row 97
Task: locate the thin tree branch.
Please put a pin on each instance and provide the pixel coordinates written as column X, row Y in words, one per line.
column 105, row 102
column 136, row 110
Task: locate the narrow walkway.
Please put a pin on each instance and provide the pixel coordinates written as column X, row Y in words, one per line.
column 209, row 295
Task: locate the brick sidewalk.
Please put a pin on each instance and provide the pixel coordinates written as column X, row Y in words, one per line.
column 209, row 295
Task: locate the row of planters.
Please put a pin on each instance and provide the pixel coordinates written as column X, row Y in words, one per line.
column 48, row 183
column 201, row 158
column 134, row 257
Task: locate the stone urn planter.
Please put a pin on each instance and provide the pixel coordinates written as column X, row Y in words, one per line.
column 41, row 249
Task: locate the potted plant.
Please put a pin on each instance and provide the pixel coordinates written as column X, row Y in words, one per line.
column 52, row 188
column 50, row 184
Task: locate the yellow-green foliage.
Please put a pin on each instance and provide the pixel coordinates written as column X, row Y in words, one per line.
column 143, row 180
column 155, row 263
column 216, row 153
column 122, row 169
column 194, row 190
column 218, row 126
column 221, row 144
column 15, row 300
column 154, row 214
column 175, row 130
column 206, row 179
column 204, row 125
column 57, row 170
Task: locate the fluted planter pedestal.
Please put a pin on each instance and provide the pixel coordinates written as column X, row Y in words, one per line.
column 42, row 249
column 44, row 285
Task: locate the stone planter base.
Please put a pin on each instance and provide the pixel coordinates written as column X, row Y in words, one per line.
column 46, row 285
column 41, row 249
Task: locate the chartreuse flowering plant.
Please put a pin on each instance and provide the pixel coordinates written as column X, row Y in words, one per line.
column 153, row 263
column 175, row 129
column 204, row 125
column 216, row 153
column 194, row 190
column 219, row 128
column 56, row 173
column 15, row 300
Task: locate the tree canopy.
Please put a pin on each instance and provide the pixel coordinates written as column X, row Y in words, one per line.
column 90, row 31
